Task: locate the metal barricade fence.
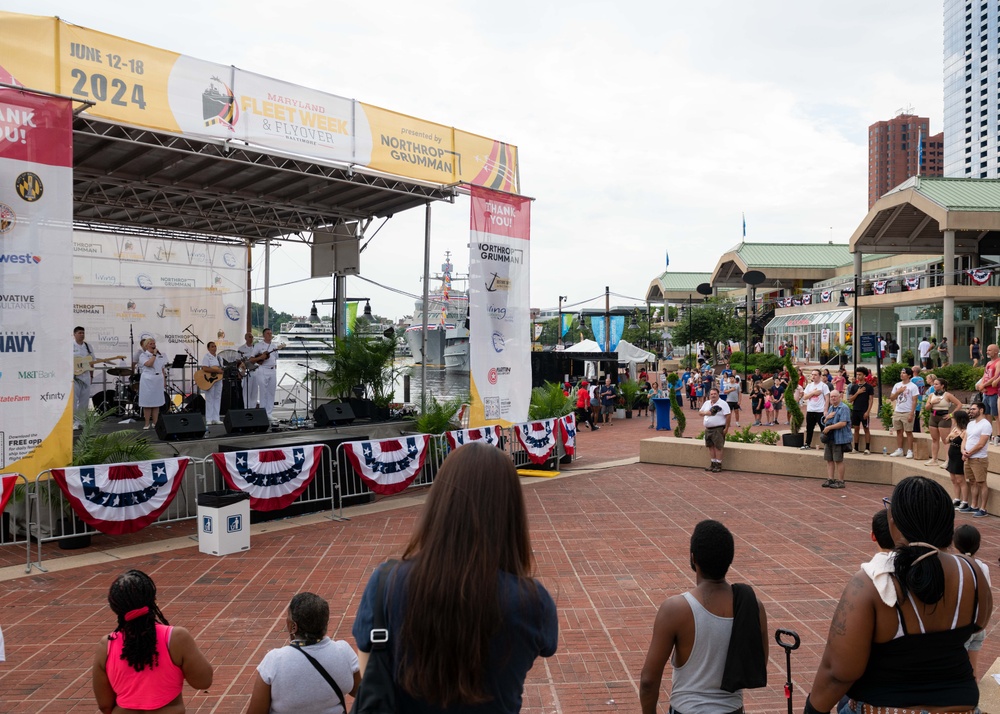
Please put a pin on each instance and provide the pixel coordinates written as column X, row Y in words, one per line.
column 353, row 486
column 520, row 456
column 15, row 518
column 324, row 486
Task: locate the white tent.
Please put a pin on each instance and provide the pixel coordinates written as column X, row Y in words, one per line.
column 627, row 354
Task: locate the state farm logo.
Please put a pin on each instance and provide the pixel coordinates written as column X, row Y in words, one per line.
column 7, row 218
column 29, row 186
column 144, row 281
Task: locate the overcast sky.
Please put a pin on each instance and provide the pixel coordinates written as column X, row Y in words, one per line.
column 643, row 127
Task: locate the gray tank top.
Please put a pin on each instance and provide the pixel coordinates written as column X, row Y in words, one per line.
column 695, row 685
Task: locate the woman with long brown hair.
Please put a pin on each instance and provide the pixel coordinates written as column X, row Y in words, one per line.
column 143, row 664
column 466, row 619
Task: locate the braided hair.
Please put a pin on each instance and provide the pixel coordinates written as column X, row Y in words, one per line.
column 923, row 513
column 132, row 598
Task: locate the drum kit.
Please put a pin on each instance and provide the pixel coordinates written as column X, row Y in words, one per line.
column 123, row 399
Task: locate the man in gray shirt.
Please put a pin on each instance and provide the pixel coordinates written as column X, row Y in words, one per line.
column 707, row 615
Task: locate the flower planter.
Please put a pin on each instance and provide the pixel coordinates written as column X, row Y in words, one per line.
column 619, row 413
column 628, row 413
column 793, row 440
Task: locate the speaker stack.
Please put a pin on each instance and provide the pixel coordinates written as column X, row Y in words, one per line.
column 177, row 427
column 246, row 421
column 334, row 414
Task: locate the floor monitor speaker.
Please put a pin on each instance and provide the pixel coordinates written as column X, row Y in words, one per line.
column 246, row 421
column 174, row 427
column 334, row 414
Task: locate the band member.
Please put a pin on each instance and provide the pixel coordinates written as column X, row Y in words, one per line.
column 249, row 383
column 213, row 395
column 266, row 357
column 81, row 384
column 152, row 371
column 137, row 357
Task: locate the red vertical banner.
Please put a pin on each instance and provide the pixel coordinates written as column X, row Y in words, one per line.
column 36, row 281
column 499, row 308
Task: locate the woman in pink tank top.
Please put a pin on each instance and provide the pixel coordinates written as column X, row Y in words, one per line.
column 143, row 664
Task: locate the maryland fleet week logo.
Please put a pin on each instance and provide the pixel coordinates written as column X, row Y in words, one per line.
column 7, row 218
column 219, row 107
column 29, row 186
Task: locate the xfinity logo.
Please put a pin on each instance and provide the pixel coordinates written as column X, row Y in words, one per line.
column 55, row 396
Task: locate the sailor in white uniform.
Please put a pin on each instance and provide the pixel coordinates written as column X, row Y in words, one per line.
column 212, row 365
column 266, row 357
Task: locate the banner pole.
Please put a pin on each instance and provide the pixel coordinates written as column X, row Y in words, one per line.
column 423, row 318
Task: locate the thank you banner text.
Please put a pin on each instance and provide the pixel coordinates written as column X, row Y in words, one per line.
column 500, row 317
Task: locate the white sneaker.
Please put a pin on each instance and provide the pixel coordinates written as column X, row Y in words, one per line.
column 897, row 452
column 909, row 454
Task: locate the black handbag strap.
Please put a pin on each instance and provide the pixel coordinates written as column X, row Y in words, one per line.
column 326, row 675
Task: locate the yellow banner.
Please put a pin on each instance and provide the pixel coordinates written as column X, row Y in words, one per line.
column 136, row 84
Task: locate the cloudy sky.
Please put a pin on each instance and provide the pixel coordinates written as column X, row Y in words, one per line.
column 643, row 127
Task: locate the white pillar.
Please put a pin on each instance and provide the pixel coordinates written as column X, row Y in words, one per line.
column 948, row 305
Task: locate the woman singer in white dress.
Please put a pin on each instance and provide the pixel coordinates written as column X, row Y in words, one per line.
column 151, row 383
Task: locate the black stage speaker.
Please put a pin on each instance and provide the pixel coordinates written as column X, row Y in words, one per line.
column 193, row 403
column 246, row 421
column 334, row 414
column 173, row 427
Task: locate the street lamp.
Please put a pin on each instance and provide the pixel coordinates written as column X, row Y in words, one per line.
column 562, row 299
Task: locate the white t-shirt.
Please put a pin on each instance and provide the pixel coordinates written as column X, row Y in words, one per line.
column 814, row 394
column 907, row 398
column 246, row 350
column 976, row 430
column 272, row 355
column 924, row 348
column 296, row 686
column 710, row 419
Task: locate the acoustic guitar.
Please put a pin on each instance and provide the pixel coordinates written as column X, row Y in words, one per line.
column 86, row 363
column 205, row 380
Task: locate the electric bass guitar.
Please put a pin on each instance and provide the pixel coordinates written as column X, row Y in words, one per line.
column 205, row 380
column 86, row 363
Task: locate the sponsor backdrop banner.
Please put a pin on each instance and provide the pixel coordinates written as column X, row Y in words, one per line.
column 157, row 287
column 499, row 312
column 146, row 86
column 36, row 328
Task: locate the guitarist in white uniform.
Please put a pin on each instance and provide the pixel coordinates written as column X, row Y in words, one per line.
column 81, row 383
column 211, row 366
column 266, row 356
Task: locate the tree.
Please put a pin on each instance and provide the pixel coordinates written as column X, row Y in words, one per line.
column 710, row 322
column 277, row 318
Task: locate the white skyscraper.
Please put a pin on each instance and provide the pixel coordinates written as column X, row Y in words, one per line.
column 971, row 89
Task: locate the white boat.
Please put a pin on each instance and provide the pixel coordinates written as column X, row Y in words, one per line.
column 447, row 316
column 303, row 338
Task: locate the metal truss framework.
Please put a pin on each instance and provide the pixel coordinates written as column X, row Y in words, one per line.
column 133, row 180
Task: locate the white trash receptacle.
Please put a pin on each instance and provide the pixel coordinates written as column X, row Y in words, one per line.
column 223, row 522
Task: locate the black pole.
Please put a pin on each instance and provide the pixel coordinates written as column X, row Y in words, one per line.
column 856, row 333
column 746, row 342
column 690, row 328
column 607, row 319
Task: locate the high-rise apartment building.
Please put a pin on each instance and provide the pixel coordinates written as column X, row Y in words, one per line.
column 971, row 89
column 894, row 153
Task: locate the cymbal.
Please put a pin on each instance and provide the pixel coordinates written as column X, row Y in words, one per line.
column 119, row 371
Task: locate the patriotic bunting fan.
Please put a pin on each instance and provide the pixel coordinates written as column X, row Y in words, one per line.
column 807, row 299
column 6, row 490
column 460, row 437
column 912, row 283
column 537, row 438
column 980, row 276
column 826, row 295
column 878, row 287
column 273, row 477
column 121, row 498
column 567, row 430
column 390, row 465
column 796, row 302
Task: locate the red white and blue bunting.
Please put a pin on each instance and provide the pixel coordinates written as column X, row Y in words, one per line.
column 273, row 477
column 826, row 295
column 7, row 484
column 537, row 438
column 980, row 276
column 567, row 430
column 390, row 465
column 807, row 299
column 121, row 498
column 912, row 283
column 460, row 437
column 878, row 286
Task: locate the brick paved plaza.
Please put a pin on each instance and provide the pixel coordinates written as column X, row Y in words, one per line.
column 610, row 541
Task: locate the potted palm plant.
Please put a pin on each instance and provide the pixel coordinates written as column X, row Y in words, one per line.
column 629, row 391
column 362, row 370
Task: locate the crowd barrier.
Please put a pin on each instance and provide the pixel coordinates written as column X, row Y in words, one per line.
column 41, row 513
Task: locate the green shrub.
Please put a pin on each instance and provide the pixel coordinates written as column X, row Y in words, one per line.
column 680, row 421
column 885, row 415
column 742, row 436
column 549, row 402
column 629, row 391
column 768, row 363
column 959, row 376
column 908, row 358
column 768, row 437
column 439, row 417
column 689, row 361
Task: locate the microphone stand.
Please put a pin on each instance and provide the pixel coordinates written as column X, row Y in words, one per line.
column 196, row 356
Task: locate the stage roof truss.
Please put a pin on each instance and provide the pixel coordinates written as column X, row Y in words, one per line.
column 137, row 181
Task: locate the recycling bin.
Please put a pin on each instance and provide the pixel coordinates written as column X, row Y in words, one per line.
column 223, row 522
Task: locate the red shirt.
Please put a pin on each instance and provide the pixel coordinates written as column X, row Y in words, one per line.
column 990, row 373
column 582, row 398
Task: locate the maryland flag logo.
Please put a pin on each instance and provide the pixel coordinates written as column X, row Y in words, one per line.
column 7, row 218
column 498, row 170
column 29, row 187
